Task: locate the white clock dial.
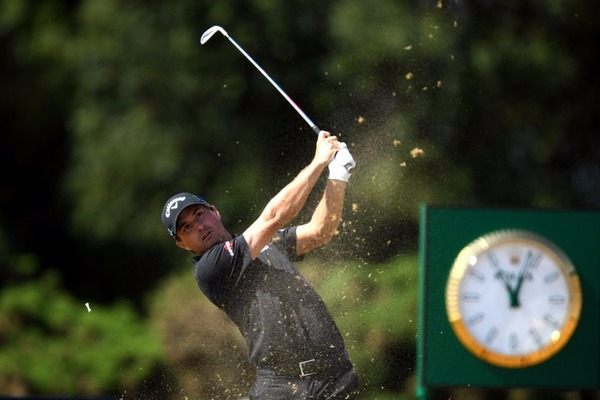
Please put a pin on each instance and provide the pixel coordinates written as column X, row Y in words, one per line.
column 513, row 298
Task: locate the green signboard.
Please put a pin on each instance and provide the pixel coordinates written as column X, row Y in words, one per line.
column 446, row 359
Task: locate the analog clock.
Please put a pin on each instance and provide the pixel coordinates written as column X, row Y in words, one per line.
column 513, row 298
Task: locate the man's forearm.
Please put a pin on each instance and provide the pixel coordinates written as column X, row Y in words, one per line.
column 325, row 218
column 328, row 213
column 290, row 200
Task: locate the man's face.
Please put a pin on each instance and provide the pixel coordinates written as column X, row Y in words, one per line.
column 199, row 228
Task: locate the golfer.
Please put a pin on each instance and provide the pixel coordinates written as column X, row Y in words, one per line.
column 292, row 339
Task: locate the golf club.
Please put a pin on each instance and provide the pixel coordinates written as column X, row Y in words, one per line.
column 211, row 31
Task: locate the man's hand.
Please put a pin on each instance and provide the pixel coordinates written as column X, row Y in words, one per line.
column 340, row 168
column 327, row 146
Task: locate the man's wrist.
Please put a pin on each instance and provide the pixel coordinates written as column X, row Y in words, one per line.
column 337, row 183
column 318, row 165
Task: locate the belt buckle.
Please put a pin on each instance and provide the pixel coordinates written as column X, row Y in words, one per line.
column 304, row 364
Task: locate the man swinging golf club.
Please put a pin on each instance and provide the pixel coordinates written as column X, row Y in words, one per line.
column 292, row 339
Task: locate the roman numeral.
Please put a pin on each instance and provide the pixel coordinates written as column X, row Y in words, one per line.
column 470, row 297
column 513, row 341
column 478, row 276
column 491, row 335
column 551, row 277
column 493, row 260
column 557, row 299
column 553, row 322
column 535, row 336
column 476, row 318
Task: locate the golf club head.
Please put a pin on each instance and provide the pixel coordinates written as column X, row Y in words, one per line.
column 210, row 32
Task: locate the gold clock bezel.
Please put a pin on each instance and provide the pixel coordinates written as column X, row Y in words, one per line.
column 458, row 271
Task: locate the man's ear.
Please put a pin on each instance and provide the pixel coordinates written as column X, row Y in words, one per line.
column 214, row 210
column 180, row 244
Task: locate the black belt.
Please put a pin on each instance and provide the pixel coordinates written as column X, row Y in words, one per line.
column 313, row 366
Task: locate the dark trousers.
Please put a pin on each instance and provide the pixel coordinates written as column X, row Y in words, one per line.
column 270, row 386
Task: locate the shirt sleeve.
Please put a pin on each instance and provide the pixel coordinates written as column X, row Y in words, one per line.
column 286, row 240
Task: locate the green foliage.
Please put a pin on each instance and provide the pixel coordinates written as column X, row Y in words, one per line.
column 533, row 71
column 144, row 126
column 51, row 344
column 15, row 266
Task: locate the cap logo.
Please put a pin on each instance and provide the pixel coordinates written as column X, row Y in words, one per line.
column 173, row 205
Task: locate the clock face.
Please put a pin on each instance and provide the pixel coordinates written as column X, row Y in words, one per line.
column 513, row 298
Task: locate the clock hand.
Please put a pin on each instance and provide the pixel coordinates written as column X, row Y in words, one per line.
column 500, row 276
column 530, row 262
column 514, row 294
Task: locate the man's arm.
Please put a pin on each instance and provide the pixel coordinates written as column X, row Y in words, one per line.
column 290, row 200
column 325, row 219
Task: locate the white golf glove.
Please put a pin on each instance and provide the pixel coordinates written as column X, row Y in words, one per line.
column 340, row 168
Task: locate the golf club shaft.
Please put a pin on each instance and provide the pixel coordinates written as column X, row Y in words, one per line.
column 310, row 123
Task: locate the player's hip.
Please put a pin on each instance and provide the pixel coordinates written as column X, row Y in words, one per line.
column 340, row 382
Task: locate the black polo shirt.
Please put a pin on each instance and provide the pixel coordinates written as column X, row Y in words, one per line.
column 279, row 313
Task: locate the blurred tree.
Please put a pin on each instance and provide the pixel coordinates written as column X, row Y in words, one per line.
column 109, row 107
column 51, row 344
column 531, row 89
column 33, row 108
